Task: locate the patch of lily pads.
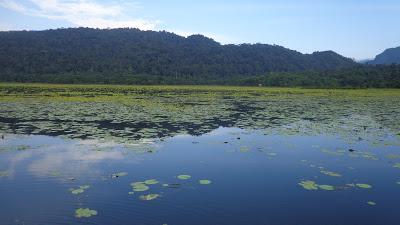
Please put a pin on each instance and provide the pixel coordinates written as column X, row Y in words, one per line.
column 205, row 182
column 85, row 213
column 149, row 197
column 80, row 190
column 312, row 185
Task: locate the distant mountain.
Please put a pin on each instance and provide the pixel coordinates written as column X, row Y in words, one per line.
column 389, row 56
column 109, row 53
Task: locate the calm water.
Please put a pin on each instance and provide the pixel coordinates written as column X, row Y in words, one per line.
column 312, row 160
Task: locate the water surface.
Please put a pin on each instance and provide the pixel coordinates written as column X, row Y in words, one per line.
column 269, row 156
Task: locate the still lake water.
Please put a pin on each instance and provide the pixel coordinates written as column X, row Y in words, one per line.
column 262, row 158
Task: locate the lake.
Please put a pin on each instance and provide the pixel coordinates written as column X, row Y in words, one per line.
column 179, row 155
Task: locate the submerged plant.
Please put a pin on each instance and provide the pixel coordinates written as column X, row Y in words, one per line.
column 85, row 212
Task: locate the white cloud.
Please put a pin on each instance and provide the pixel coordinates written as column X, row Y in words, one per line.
column 85, row 13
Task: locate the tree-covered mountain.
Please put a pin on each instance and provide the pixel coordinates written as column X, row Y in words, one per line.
column 389, row 56
column 110, row 53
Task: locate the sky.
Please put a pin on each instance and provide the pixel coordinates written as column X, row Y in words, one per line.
column 358, row 29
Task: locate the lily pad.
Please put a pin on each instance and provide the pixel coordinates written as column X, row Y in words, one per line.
column 204, row 182
column 4, row 173
column 184, row 177
column 149, row 197
column 309, row 185
column 139, row 186
column 329, row 173
column 397, row 165
column 371, row 203
column 81, row 212
column 365, row 186
column 326, row 187
column 151, row 181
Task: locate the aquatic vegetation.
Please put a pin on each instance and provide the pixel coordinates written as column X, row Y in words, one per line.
column 397, row 165
column 126, row 114
column 85, row 212
column 309, row 185
column 80, row 190
column 204, row 182
column 371, row 203
column 312, row 185
column 365, row 186
column 139, row 186
column 120, row 174
column 184, row 177
column 4, row 173
column 329, row 173
column 326, row 187
column 149, row 197
column 151, row 182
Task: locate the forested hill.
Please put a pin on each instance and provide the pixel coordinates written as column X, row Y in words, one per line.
column 84, row 52
column 389, row 56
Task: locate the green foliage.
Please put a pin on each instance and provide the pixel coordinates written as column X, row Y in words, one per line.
column 131, row 56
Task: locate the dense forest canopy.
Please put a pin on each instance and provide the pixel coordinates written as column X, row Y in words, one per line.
column 132, row 56
column 389, row 56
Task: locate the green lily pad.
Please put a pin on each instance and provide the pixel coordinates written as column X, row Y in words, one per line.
column 151, row 181
column 81, row 212
column 204, row 182
column 329, row 173
column 309, row 185
column 397, row 165
column 184, row 177
column 326, row 187
column 139, row 186
column 371, row 203
column 4, row 174
column 84, row 187
column 149, row 197
column 77, row 191
column 365, row 186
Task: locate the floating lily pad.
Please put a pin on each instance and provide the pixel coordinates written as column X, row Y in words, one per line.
column 309, row 185
column 151, row 181
column 329, row 173
column 365, row 186
column 81, row 212
column 4, row 173
column 371, row 203
column 84, row 187
column 184, row 177
column 139, row 186
column 204, row 182
column 397, row 165
column 149, row 197
column 326, row 187
column 77, row 191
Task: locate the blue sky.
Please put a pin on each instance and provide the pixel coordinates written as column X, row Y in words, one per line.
column 353, row 28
